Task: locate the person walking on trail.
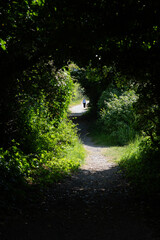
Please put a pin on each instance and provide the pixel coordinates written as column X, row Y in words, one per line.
column 84, row 102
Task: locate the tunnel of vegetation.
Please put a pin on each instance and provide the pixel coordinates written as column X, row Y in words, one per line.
column 116, row 46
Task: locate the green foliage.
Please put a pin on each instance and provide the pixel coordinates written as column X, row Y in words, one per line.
column 117, row 117
column 13, row 165
column 46, row 146
column 2, row 44
column 107, row 95
column 56, row 152
column 141, row 165
column 148, row 112
column 94, row 80
column 57, row 155
column 77, row 94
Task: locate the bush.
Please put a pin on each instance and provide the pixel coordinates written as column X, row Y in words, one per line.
column 116, row 116
column 58, row 153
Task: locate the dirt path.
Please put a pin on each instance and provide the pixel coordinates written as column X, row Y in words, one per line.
column 77, row 110
column 94, row 204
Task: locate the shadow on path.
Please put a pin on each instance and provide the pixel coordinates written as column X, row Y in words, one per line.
column 88, row 206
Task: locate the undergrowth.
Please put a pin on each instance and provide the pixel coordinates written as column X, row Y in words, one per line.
column 139, row 161
column 116, row 116
column 141, row 165
column 44, row 146
column 60, row 154
column 77, row 94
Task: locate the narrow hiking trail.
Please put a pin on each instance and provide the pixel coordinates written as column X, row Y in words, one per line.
column 96, row 203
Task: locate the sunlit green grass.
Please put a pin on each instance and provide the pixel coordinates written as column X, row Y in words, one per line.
column 114, row 154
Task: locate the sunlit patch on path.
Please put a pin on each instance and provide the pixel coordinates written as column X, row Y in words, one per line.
column 77, row 110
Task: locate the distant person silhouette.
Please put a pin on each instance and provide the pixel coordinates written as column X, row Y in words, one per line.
column 84, row 102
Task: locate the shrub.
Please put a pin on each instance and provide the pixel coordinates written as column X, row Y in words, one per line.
column 58, row 153
column 61, row 153
column 117, row 117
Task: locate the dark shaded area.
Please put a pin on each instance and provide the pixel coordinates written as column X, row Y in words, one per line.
column 87, row 205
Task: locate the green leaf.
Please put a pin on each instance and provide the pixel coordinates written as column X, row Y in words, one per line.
column 3, row 44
